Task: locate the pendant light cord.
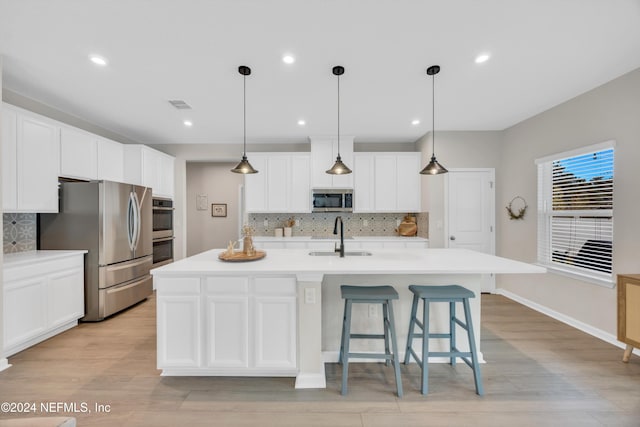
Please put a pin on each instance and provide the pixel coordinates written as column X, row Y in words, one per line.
column 244, row 115
column 433, row 115
column 338, row 115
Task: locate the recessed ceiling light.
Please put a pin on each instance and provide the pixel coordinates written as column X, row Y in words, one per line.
column 288, row 59
column 415, row 122
column 98, row 60
column 302, row 122
column 188, row 123
column 483, row 57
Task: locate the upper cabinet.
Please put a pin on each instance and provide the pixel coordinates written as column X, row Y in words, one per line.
column 30, row 161
column 281, row 184
column 110, row 160
column 387, row 182
column 323, row 155
column 150, row 168
column 78, row 153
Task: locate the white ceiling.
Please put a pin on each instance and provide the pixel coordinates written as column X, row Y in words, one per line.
column 543, row 52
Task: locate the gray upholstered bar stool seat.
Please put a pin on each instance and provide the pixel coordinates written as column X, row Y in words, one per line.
column 450, row 294
column 370, row 295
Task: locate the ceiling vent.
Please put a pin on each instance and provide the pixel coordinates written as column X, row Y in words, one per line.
column 180, row 104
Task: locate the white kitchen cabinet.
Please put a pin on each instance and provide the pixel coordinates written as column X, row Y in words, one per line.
column 281, row 185
column 179, row 325
column 78, row 154
column 245, row 325
column 387, row 182
column 43, row 296
column 323, row 155
column 151, row 168
column 31, row 143
column 110, row 160
column 227, row 322
column 363, row 182
column 274, row 322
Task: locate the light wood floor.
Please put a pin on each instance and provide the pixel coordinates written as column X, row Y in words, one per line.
column 539, row 372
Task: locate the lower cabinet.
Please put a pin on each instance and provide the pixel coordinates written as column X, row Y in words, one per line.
column 227, row 325
column 41, row 299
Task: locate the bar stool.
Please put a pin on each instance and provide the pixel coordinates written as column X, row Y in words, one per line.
column 369, row 295
column 450, row 294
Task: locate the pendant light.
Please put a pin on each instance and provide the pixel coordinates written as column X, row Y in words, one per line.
column 433, row 168
column 339, row 168
column 244, row 166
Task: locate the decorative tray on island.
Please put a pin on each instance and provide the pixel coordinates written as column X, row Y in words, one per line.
column 241, row 256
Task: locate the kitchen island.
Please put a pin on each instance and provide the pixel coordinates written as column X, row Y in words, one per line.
column 281, row 315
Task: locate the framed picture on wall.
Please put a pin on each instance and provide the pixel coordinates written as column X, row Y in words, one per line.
column 219, row 209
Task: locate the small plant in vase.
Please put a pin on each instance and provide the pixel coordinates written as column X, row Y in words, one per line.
column 288, row 225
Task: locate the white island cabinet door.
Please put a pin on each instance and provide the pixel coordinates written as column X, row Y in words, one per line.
column 227, row 323
column 178, row 323
column 275, row 323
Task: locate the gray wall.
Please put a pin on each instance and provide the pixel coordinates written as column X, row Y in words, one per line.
column 460, row 149
column 214, row 180
column 611, row 111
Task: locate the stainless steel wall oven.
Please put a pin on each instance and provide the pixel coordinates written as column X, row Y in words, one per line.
column 162, row 231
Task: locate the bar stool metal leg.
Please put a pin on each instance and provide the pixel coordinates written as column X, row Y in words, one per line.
column 394, row 344
column 385, row 320
column 452, row 331
column 345, row 346
column 425, row 347
column 472, row 346
column 412, row 323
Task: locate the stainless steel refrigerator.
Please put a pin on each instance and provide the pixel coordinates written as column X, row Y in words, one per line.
column 113, row 221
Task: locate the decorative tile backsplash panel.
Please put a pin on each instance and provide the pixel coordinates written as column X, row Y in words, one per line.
column 19, row 232
column 321, row 224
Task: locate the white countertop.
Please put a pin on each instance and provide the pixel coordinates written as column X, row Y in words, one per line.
column 347, row 238
column 21, row 258
column 383, row 261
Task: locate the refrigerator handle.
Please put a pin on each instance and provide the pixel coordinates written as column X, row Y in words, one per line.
column 130, row 221
column 136, row 231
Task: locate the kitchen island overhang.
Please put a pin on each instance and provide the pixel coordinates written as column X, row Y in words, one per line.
column 272, row 317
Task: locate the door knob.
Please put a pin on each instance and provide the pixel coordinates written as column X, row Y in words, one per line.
column 452, row 238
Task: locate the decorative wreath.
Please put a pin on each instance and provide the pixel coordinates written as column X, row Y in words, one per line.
column 521, row 211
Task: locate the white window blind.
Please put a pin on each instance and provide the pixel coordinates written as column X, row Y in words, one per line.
column 575, row 211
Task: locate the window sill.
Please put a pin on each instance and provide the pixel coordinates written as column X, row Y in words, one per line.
column 607, row 283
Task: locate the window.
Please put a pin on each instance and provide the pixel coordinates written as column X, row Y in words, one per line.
column 575, row 212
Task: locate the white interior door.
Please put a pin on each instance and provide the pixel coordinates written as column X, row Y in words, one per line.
column 471, row 213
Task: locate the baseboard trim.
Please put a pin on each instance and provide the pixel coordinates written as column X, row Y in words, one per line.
column 318, row 380
column 4, row 364
column 584, row 327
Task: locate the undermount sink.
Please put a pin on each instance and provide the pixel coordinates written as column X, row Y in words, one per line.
column 332, row 253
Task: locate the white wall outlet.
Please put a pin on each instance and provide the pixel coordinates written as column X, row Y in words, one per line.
column 398, row 221
column 309, row 296
column 365, row 222
column 266, row 222
column 373, row 310
column 297, row 222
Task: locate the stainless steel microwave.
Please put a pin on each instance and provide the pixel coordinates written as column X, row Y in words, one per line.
column 332, row 200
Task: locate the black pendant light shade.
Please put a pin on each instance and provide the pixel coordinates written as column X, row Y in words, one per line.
column 244, row 166
column 433, row 168
column 338, row 167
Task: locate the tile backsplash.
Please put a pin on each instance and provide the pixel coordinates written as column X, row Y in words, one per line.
column 321, row 224
column 19, row 232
